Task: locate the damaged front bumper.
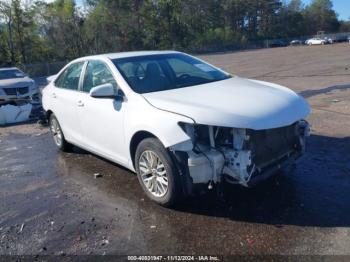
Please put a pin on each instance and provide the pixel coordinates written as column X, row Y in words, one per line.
column 27, row 94
column 248, row 157
column 19, row 107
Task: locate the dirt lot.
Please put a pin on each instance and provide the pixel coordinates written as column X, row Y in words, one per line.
column 52, row 204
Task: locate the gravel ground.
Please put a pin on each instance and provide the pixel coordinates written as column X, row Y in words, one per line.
column 52, row 204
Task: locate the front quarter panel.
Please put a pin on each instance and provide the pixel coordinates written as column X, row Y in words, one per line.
column 141, row 116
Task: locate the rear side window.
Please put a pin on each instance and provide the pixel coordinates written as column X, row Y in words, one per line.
column 97, row 73
column 70, row 77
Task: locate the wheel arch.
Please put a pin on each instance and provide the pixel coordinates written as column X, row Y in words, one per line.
column 48, row 113
column 136, row 140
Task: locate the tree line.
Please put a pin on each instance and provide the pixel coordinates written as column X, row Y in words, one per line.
column 37, row 31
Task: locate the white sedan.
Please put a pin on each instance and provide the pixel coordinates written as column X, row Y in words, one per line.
column 177, row 121
column 316, row 41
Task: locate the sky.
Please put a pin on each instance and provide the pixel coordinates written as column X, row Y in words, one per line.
column 342, row 7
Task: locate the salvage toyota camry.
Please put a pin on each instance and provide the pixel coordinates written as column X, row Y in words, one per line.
column 177, row 121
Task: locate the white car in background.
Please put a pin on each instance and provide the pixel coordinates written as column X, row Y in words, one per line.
column 316, row 41
column 16, row 85
column 175, row 120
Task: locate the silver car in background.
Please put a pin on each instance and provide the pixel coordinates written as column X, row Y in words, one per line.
column 16, row 85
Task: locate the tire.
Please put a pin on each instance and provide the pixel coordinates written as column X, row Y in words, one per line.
column 157, row 172
column 58, row 135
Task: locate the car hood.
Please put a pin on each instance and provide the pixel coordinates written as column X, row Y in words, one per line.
column 234, row 102
column 16, row 82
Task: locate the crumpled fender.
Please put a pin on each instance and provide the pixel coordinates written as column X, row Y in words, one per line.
column 162, row 124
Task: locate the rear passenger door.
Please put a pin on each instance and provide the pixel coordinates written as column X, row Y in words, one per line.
column 65, row 101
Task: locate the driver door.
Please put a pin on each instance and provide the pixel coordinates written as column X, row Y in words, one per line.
column 102, row 119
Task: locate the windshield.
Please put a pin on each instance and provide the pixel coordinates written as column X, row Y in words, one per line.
column 152, row 73
column 11, row 73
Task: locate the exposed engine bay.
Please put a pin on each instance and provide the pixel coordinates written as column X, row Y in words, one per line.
column 242, row 156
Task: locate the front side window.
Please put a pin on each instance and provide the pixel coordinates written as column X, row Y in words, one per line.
column 97, row 73
column 152, row 73
column 70, row 77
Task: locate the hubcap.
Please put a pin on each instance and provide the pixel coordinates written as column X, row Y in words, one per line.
column 153, row 173
column 56, row 132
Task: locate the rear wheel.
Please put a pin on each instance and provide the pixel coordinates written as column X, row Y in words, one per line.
column 157, row 172
column 58, row 135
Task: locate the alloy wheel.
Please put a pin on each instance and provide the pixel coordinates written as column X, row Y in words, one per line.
column 153, row 173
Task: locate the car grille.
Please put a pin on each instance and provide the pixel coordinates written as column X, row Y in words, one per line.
column 15, row 91
column 271, row 144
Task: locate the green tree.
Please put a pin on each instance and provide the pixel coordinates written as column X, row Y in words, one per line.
column 7, row 35
column 320, row 16
column 61, row 27
column 60, row 30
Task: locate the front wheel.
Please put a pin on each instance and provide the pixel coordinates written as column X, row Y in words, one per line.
column 157, row 172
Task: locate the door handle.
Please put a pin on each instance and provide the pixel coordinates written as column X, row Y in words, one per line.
column 53, row 95
column 80, row 103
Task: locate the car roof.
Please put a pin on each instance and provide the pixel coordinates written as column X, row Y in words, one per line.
column 8, row 68
column 128, row 54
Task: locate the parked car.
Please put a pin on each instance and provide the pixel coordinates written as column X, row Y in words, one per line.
column 277, row 43
column 329, row 40
column 296, row 43
column 316, row 41
column 177, row 121
column 340, row 39
column 15, row 85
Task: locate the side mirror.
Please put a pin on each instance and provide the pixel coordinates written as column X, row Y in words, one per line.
column 103, row 91
column 120, row 95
